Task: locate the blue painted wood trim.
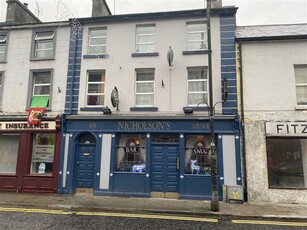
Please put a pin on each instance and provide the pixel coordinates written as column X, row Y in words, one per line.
column 112, row 161
column 153, row 109
column 219, row 143
column 195, row 52
column 152, row 54
column 148, row 163
column 228, row 62
column 238, row 160
column 97, row 162
column 181, row 162
column 73, row 72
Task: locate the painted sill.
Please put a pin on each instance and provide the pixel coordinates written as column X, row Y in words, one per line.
column 91, row 109
column 195, row 52
column 195, row 108
column 151, row 109
column 152, row 54
column 42, row 59
column 301, row 107
column 89, row 56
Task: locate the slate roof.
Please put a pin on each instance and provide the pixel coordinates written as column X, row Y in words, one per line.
column 266, row 32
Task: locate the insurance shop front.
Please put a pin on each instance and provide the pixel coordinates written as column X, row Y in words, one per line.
column 29, row 155
column 147, row 156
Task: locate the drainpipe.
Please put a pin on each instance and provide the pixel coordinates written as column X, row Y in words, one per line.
column 242, row 126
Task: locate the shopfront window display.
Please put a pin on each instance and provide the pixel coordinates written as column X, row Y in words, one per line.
column 131, row 153
column 287, row 162
column 43, row 153
column 197, row 154
column 9, row 143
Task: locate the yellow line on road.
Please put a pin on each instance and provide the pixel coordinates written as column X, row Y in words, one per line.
column 109, row 214
column 148, row 216
column 267, row 222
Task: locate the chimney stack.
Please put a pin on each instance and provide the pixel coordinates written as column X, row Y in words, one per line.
column 18, row 13
column 100, row 8
column 25, row 4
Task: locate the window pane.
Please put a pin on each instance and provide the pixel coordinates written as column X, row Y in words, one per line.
column 96, row 77
column 145, row 48
column 3, row 38
column 199, row 73
column 9, row 144
column 95, row 100
column 145, row 30
column 97, row 50
column 196, row 27
column 98, row 33
column 301, row 75
column 145, row 87
column 301, row 95
column 43, row 153
column 147, row 39
column 42, row 78
column 44, row 36
column 145, row 76
column 96, row 88
column 44, row 45
column 197, row 154
column 145, row 99
column 131, row 153
column 2, row 56
column 196, row 98
column 42, row 90
column 196, row 86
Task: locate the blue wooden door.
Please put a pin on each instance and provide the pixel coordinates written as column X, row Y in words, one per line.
column 165, row 171
column 85, row 166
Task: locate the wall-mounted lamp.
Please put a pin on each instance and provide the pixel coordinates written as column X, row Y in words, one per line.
column 188, row 110
column 106, row 110
column 59, row 89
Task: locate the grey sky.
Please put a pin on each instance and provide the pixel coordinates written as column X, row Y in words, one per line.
column 250, row 12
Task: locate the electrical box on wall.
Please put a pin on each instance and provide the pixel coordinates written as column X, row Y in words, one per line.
column 233, row 193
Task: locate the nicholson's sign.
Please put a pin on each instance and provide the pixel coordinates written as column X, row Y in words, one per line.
column 286, row 128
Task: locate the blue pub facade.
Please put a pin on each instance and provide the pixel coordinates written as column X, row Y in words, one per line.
column 148, row 151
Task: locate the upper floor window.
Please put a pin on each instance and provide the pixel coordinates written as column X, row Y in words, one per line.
column 145, row 38
column 196, row 36
column 301, row 84
column 95, row 94
column 145, row 87
column 44, row 45
column 41, row 89
column 197, row 86
column 97, row 41
column 3, row 38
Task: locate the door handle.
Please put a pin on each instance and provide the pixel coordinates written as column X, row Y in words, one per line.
column 78, row 163
column 177, row 163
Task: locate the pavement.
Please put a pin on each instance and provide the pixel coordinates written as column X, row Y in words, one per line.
column 89, row 202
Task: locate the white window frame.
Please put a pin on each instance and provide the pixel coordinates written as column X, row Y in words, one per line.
column 139, row 34
column 152, row 93
column 204, row 40
column 3, row 44
column 44, row 37
column 33, row 85
column 205, row 80
column 296, row 67
column 95, row 46
column 102, row 72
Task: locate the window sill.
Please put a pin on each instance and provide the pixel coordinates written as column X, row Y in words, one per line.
column 301, row 107
column 152, row 109
column 3, row 62
column 196, row 108
column 89, row 56
column 195, row 52
column 151, row 54
column 91, row 109
column 42, row 59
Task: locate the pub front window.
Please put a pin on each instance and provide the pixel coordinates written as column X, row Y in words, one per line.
column 131, row 153
column 197, row 154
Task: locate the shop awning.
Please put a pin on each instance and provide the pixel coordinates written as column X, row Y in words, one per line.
column 39, row 102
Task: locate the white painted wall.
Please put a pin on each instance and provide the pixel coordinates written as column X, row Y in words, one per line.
column 120, row 66
column 269, row 95
column 17, row 71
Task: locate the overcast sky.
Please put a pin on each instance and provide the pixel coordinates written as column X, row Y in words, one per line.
column 250, row 12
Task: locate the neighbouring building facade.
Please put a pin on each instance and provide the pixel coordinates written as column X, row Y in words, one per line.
column 273, row 65
column 136, row 117
column 33, row 69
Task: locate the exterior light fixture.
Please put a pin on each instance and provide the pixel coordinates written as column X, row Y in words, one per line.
column 106, row 110
column 188, row 110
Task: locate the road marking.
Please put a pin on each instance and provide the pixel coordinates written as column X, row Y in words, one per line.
column 148, row 216
column 109, row 214
column 267, row 222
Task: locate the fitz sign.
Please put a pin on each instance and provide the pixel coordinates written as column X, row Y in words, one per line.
column 286, row 128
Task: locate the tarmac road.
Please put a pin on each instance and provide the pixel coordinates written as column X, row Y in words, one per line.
column 32, row 219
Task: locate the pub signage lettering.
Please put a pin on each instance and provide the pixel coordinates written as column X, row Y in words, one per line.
column 200, row 151
column 144, row 125
column 286, row 128
column 132, row 149
column 25, row 126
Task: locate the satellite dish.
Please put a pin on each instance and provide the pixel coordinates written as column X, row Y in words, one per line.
column 115, row 97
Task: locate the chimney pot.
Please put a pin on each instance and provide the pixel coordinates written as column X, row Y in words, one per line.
column 25, row 4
